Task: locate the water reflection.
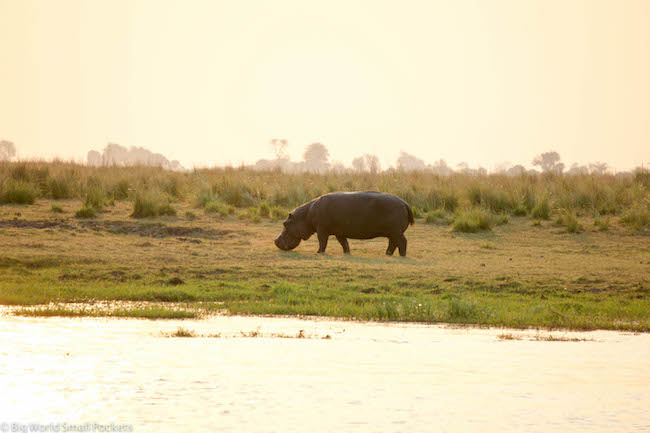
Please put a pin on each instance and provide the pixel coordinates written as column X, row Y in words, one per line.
column 367, row 377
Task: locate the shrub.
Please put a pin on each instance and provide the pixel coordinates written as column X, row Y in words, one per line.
column 120, row 190
column 60, row 188
column 264, row 210
column 252, row 213
column 527, row 199
column 417, row 212
column 637, row 217
column 151, row 203
column 476, row 219
column 438, row 216
column 220, row 208
column 520, row 210
column 542, row 209
column 643, row 177
column 20, row 173
column 203, row 197
column 171, row 184
column 236, row 194
column 569, row 220
column 95, row 198
column 56, row 208
column 86, row 212
column 601, row 224
column 277, row 213
column 450, row 201
column 496, row 200
column 18, row 191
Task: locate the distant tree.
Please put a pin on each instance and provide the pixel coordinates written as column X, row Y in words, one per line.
column 408, row 162
column 367, row 162
column 7, row 150
column 94, row 158
column 516, row 170
column 463, row 167
column 549, row 162
column 279, row 147
column 359, row 164
column 337, row 167
column 114, row 154
column 316, row 157
column 577, row 169
column 176, row 166
column 440, row 167
column 598, row 167
column 502, row 167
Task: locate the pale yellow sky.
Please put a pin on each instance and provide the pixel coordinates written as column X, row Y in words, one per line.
column 212, row 82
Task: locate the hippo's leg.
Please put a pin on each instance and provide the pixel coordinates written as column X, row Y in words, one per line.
column 391, row 247
column 401, row 244
column 344, row 243
column 322, row 241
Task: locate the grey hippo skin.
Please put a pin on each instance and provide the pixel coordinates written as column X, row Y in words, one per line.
column 349, row 215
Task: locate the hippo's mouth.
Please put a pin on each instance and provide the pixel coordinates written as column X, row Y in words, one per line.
column 286, row 242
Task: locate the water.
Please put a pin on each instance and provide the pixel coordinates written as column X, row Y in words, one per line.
column 365, row 378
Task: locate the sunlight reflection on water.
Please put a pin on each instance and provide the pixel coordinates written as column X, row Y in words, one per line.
column 367, row 377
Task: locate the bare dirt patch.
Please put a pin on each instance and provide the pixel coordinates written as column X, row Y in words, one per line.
column 153, row 230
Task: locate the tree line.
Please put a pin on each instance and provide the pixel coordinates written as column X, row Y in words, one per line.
column 316, row 159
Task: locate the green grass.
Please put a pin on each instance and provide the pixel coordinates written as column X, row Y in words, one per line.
column 57, row 208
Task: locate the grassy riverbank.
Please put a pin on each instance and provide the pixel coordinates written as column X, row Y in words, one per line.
column 524, row 270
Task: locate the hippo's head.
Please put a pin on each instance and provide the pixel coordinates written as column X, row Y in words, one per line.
column 296, row 228
column 286, row 242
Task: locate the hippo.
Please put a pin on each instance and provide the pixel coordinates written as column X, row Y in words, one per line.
column 349, row 215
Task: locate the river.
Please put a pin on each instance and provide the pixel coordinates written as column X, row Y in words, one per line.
column 240, row 375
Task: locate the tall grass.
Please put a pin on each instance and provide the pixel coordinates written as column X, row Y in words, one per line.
column 273, row 192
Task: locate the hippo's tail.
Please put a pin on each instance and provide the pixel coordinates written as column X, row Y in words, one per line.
column 410, row 212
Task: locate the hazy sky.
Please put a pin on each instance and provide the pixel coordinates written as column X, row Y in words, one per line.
column 212, row 82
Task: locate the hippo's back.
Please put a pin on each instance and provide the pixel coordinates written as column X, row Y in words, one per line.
column 361, row 215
